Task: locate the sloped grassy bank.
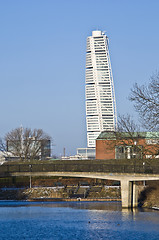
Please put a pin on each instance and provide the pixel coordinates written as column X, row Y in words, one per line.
column 149, row 197
column 97, row 192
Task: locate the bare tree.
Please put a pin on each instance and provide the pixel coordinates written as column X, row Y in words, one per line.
column 127, row 124
column 26, row 143
column 129, row 136
column 146, row 102
column 2, row 145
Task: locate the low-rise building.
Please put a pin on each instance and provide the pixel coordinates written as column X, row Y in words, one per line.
column 126, row 145
column 86, row 153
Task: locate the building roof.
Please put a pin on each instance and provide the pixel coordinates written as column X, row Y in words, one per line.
column 111, row 135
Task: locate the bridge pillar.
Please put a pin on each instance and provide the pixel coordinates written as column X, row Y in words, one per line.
column 125, row 193
column 129, row 194
column 135, row 194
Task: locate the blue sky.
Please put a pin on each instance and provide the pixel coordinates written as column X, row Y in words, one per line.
column 42, row 61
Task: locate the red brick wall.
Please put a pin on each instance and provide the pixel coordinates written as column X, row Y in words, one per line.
column 104, row 150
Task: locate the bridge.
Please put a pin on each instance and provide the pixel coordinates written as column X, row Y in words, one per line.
column 127, row 174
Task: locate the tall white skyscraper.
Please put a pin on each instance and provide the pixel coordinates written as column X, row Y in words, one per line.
column 100, row 96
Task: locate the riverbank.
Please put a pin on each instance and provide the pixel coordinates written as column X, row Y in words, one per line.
column 149, row 197
column 67, row 193
column 74, row 200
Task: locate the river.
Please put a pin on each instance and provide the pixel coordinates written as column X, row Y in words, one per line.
column 75, row 220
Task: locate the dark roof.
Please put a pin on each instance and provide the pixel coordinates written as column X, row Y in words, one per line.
column 111, row 135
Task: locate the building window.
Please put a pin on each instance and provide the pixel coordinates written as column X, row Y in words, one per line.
column 128, row 152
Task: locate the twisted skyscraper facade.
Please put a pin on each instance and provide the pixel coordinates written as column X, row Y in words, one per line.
column 100, row 96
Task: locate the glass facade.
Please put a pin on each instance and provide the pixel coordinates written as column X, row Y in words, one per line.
column 86, row 152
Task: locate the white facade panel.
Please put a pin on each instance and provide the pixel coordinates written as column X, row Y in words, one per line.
column 99, row 90
column 91, row 136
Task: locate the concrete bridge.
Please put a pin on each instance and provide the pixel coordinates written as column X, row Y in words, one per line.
column 128, row 175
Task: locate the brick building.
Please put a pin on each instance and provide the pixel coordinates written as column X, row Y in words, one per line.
column 126, row 145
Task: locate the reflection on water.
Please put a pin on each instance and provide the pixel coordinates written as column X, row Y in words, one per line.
column 76, row 220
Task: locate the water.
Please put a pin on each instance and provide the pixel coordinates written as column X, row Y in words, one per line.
column 75, row 220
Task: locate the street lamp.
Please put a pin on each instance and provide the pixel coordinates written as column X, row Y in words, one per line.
column 30, row 167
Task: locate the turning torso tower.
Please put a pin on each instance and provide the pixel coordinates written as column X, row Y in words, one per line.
column 99, row 93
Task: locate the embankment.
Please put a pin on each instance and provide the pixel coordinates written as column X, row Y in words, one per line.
column 149, row 197
column 62, row 193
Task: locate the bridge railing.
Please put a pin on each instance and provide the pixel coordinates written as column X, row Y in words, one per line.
column 106, row 168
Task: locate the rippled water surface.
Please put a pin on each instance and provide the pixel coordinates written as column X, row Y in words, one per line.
column 76, row 220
